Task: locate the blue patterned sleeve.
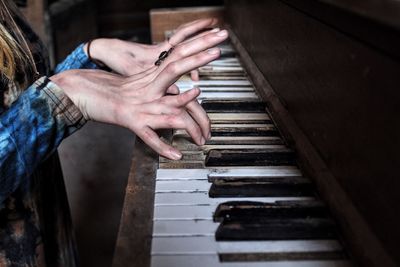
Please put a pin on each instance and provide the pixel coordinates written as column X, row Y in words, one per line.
column 76, row 60
column 31, row 129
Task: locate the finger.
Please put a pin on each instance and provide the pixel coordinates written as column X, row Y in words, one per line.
column 201, row 34
column 170, row 105
column 194, row 74
column 171, row 73
column 173, row 90
column 200, row 116
column 181, row 121
column 183, row 99
column 153, row 140
column 197, row 45
column 191, row 28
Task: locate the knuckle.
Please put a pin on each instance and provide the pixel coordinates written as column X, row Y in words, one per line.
column 181, row 51
column 176, row 111
column 171, row 121
column 172, row 68
column 209, row 38
column 146, row 134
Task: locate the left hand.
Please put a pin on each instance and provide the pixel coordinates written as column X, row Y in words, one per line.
column 129, row 58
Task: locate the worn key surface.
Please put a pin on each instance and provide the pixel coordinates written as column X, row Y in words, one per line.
column 250, row 157
column 233, row 106
column 276, row 229
column 252, row 210
column 260, row 189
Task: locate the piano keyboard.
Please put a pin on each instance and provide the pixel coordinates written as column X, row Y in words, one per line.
column 239, row 200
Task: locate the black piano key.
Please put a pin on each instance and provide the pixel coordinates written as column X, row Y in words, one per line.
column 225, row 186
column 233, row 106
column 283, row 256
column 250, row 211
column 289, row 180
column 260, row 190
column 250, row 157
column 276, row 229
column 266, row 130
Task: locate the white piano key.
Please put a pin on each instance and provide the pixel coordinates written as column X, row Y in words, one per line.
column 213, row 261
column 188, row 147
column 217, row 69
column 226, row 60
column 202, row 198
column 238, row 117
column 202, row 174
column 220, row 89
column 204, row 83
column 182, row 186
column 173, row 174
column 273, row 171
column 197, row 228
column 242, row 125
column 206, row 148
column 207, row 244
column 200, row 212
column 227, row 95
column 224, row 64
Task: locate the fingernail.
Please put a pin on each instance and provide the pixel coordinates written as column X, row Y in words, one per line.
column 202, row 141
column 175, row 154
column 215, row 30
column 209, row 136
column 213, row 51
column 222, row 33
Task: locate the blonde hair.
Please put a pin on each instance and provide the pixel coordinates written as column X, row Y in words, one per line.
column 15, row 55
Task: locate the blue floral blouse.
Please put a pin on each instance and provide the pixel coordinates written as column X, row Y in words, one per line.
column 35, row 222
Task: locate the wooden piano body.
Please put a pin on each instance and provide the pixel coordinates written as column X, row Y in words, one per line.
column 329, row 72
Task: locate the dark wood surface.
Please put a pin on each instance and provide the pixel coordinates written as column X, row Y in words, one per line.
column 133, row 244
column 333, row 91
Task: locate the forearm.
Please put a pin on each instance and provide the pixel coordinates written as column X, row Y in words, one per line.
column 31, row 129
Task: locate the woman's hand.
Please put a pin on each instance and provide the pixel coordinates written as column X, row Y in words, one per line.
column 140, row 104
column 129, row 58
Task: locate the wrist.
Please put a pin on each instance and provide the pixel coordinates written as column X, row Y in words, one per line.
column 63, row 81
column 96, row 49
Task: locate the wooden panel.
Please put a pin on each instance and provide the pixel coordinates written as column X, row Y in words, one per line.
column 34, row 11
column 163, row 21
column 133, row 244
column 337, row 96
column 65, row 18
column 127, row 19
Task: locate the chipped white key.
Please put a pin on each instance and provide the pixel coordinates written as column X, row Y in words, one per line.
column 202, row 198
column 163, row 228
column 238, row 117
column 227, row 95
column 213, row 261
column 182, row 186
column 221, row 89
column 207, row 244
column 202, row 174
column 206, row 83
column 199, row 212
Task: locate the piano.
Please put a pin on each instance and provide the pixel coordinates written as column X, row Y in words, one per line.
column 302, row 166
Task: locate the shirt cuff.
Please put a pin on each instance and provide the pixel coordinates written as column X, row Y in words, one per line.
column 76, row 60
column 63, row 107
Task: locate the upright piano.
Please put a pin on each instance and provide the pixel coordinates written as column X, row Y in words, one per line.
column 302, row 166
